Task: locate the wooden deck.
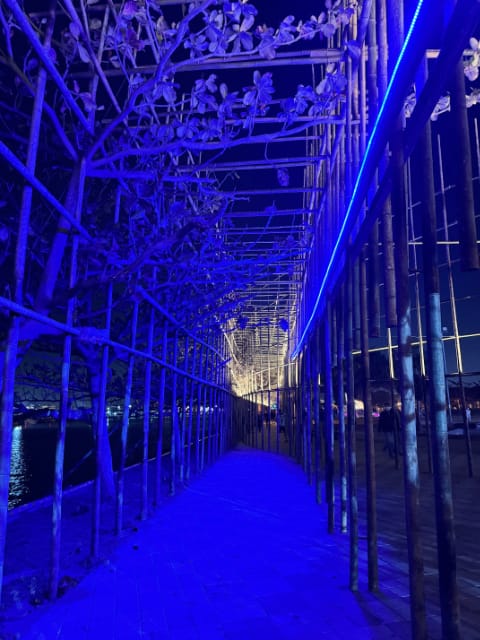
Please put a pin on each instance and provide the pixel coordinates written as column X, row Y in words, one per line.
column 466, row 492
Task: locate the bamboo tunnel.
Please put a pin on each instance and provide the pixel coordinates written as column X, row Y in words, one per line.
column 196, row 305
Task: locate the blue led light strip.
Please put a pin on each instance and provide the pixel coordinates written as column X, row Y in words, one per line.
column 358, row 197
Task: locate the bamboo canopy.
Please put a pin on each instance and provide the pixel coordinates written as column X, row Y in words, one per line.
column 211, row 220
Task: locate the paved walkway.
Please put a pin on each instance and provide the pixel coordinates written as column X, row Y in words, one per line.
column 242, row 554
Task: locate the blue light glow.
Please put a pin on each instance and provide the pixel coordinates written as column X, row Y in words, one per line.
column 357, row 197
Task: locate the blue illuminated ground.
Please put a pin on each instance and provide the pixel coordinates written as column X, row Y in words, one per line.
column 242, row 554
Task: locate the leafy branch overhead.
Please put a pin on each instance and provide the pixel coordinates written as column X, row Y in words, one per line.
column 150, row 50
column 161, row 105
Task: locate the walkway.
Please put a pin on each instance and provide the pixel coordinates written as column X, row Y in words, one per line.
column 240, row 554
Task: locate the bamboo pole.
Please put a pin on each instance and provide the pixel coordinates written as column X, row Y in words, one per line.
column 453, row 309
column 341, row 413
column 308, row 414
column 67, row 345
column 215, row 406
column 373, row 243
column 146, row 415
column 410, row 457
column 174, row 435
column 183, row 430
column 125, row 421
column 198, row 416
column 298, row 408
column 445, row 530
column 61, row 435
column 13, row 334
column 329, row 439
column 318, row 422
column 161, row 417
column 204, row 415
column 418, row 315
column 351, row 436
column 100, row 428
column 371, row 482
column 386, row 211
column 193, row 387
column 211, row 416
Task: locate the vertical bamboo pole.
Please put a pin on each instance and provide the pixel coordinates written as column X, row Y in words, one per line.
column 204, row 414
column 453, row 308
column 341, row 413
column 262, row 403
column 255, row 419
column 356, row 306
column 318, row 424
column 216, row 412
column 100, row 426
column 101, row 431
column 64, row 404
column 13, row 335
column 228, row 405
column 290, row 416
column 216, row 420
column 125, row 421
column 446, row 546
column 161, row 416
column 222, row 399
column 253, row 415
column 418, row 314
column 308, row 414
column 193, row 386
column 410, row 457
column 371, row 483
column 218, row 401
column 351, row 436
column 174, row 435
column 391, row 373
column 329, row 439
column 299, row 449
column 278, row 393
column 210, row 414
column 373, row 257
column 386, row 213
column 183, row 429
column 67, row 347
column 200, row 388
column 198, row 417
column 146, row 414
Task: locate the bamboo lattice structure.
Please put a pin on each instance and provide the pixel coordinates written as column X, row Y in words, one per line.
column 213, row 257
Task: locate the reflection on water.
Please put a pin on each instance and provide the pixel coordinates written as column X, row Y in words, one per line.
column 33, row 455
column 18, row 470
column 33, row 460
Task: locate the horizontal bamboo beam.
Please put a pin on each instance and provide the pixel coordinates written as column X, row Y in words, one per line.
column 317, row 56
column 267, row 214
column 262, row 138
column 248, row 165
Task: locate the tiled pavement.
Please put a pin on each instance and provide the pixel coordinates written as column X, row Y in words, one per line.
column 241, row 554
